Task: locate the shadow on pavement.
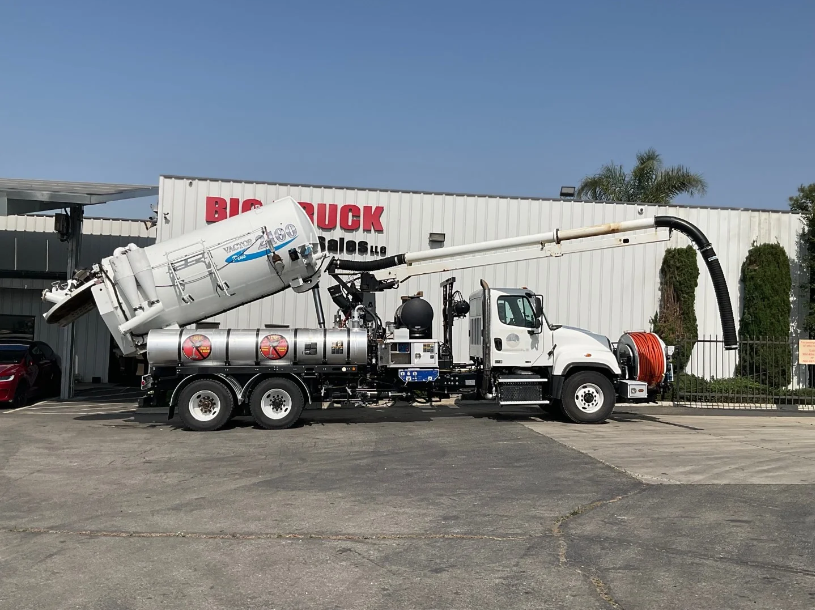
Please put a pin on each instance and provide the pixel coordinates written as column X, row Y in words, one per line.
column 352, row 416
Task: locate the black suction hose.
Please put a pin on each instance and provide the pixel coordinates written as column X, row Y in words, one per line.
column 714, row 267
column 363, row 266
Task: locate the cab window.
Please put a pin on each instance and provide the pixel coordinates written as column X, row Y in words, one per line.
column 516, row 311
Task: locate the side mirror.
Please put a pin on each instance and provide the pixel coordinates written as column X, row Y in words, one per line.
column 538, row 308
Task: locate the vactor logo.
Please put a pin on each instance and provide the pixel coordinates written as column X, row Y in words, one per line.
column 247, row 249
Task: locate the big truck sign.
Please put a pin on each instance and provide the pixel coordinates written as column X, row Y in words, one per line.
column 323, row 215
column 349, row 217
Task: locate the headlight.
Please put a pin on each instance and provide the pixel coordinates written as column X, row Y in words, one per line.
column 6, row 377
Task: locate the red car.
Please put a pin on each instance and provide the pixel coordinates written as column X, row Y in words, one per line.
column 27, row 369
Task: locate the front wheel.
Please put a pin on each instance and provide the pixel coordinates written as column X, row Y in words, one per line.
column 276, row 403
column 20, row 395
column 588, row 397
column 205, row 405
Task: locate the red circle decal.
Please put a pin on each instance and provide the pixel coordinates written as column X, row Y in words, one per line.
column 197, row 347
column 274, row 347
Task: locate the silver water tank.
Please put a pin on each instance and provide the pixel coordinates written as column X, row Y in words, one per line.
column 257, row 347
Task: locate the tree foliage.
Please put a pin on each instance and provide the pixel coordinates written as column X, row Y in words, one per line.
column 675, row 322
column 764, row 349
column 804, row 204
column 648, row 182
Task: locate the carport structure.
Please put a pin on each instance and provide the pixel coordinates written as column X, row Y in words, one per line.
column 21, row 196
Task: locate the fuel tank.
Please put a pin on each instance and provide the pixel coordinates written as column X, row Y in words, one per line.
column 257, row 347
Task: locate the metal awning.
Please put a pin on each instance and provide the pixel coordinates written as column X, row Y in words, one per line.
column 22, row 196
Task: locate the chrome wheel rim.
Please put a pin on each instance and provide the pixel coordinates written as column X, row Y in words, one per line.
column 205, row 405
column 276, row 404
column 589, row 398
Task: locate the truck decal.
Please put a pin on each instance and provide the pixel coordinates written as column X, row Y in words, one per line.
column 196, row 347
column 274, row 347
column 242, row 256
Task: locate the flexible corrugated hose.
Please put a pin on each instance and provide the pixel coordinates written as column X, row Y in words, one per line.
column 714, row 267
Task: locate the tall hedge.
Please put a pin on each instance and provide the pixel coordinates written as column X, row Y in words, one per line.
column 675, row 321
column 764, row 348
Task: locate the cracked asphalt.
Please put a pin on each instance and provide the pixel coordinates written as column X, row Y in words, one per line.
column 447, row 506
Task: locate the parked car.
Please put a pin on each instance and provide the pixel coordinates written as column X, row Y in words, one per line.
column 27, row 369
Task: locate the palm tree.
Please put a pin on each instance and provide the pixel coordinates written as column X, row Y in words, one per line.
column 648, row 182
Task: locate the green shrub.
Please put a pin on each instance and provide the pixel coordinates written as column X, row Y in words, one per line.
column 733, row 389
column 765, row 276
column 675, row 322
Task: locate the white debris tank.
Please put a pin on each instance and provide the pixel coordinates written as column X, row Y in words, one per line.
column 196, row 276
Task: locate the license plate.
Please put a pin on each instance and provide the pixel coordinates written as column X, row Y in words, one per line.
column 419, row 375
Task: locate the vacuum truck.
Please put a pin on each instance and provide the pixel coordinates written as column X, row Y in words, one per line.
column 151, row 298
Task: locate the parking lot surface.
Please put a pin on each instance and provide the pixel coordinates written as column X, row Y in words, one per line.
column 442, row 506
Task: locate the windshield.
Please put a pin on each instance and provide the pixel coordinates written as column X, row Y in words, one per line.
column 12, row 354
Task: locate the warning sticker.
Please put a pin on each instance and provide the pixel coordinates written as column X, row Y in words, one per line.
column 274, row 347
column 196, row 347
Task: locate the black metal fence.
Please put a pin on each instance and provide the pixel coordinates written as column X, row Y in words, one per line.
column 763, row 373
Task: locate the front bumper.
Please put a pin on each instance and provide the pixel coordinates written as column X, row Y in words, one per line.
column 7, row 391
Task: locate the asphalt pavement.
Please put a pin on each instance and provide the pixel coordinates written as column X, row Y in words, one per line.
column 443, row 506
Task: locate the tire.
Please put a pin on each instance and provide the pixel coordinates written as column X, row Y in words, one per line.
column 205, row 405
column 588, row 397
column 20, row 395
column 276, row 403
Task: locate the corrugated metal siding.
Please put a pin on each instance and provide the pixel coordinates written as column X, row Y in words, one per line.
column 608, row 292
column 28, row 243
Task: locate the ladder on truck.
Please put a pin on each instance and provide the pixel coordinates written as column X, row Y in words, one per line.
column 204, row 254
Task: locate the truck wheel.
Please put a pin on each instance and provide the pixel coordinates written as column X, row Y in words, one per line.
column 588, row 397
column 276, row 403
column 205, row 405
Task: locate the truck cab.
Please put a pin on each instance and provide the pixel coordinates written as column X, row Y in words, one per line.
column 527, row 360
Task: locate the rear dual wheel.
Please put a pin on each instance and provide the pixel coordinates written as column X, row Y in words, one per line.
column 205, row 405
column 276, row 403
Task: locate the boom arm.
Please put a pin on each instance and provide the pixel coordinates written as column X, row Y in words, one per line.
column 547, row 250
column 403, row 266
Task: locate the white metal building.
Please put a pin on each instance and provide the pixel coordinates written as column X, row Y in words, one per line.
column 32, row 257
column 608, row 292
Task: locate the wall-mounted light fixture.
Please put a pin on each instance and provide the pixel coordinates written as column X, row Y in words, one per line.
column 567, row 191
column 437, row 238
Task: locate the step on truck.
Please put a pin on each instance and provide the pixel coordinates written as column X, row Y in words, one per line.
column 151, row 298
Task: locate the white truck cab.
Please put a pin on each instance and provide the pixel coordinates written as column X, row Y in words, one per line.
column 528, row 360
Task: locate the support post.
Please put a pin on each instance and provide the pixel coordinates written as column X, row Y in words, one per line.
column 66, row 389
column 318, row 306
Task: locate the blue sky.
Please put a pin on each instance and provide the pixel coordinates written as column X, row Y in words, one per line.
column 514, row 98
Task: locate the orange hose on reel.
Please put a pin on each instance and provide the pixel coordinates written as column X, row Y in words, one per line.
column 650, row 358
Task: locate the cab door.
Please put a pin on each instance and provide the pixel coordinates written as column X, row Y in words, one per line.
column 520, row 338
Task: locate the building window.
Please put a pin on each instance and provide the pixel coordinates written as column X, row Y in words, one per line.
column 16, row 327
